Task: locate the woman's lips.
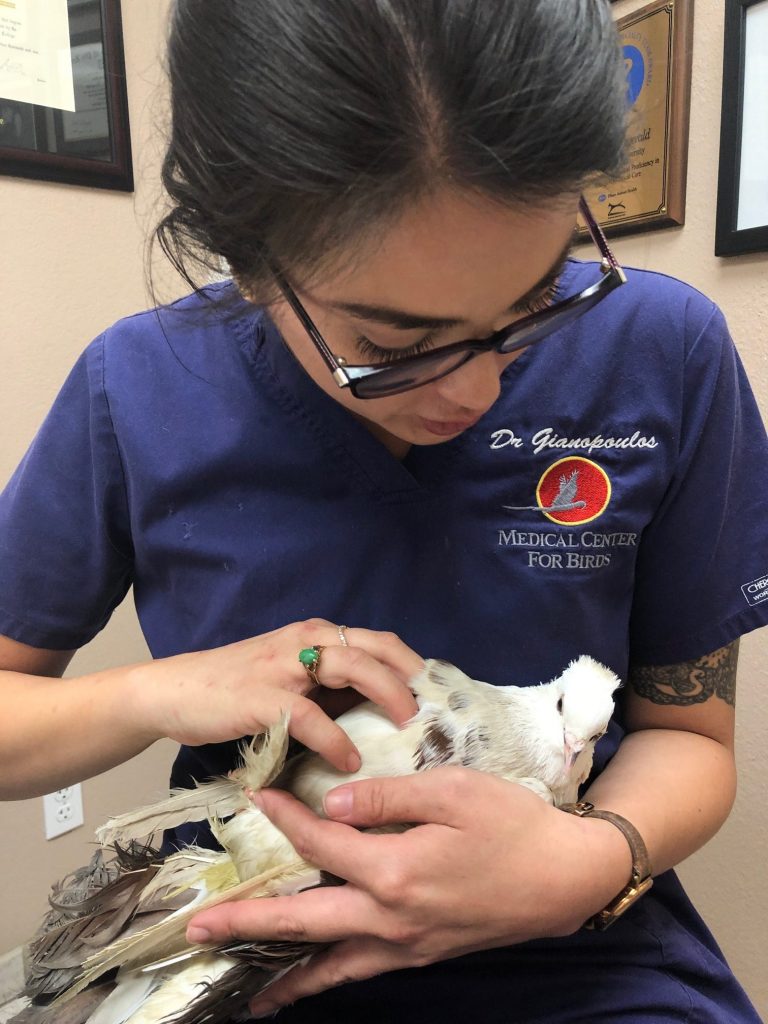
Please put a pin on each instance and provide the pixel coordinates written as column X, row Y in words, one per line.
column 446, row 428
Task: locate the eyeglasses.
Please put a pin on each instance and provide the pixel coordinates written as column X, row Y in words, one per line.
column 384, row 379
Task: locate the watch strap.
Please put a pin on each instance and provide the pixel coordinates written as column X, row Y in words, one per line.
column 640, row 881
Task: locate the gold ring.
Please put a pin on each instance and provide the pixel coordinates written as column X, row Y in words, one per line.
column 342, row 639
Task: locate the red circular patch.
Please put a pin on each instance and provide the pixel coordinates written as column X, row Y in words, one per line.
column 573, row 491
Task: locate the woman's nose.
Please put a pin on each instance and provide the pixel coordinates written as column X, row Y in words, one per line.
column 476, row 385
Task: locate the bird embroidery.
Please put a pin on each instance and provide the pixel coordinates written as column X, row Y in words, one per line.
column 131, row 914
column 566, row 495
column 564, row 501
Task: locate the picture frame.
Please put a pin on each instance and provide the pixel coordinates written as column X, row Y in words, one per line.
column 657, row 42
column 90, row 146
column 742, row 189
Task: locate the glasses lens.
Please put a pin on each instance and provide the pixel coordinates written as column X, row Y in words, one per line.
column 395, row 379
column 551, row 320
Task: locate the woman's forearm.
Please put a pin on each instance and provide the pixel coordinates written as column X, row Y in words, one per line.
column 677, row 788
column 55, row 732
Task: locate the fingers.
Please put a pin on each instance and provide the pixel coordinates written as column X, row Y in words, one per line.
column 376, row 680
column 443, row 796
column 377, row 664
column 347, row 961
column 389, row 649
column 318, row 915
column 309, row 724
column 331, row 845
column 385, row 647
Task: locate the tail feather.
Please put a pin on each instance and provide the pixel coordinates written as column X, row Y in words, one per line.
column 167, row 937
column 224, row 796
column 89, row 907
column 262, row 761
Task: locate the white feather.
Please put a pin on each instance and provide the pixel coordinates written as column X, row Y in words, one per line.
column 130, row 994
column 179, row 988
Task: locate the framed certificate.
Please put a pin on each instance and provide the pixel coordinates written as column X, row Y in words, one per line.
column 63, row 98
column 657, row 48
column 742, row 191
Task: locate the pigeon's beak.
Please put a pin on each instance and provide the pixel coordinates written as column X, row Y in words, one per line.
column 571, row 750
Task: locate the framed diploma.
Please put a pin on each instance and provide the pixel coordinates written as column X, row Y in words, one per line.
column 742, row 190
column 656, row 43
column 63, row 98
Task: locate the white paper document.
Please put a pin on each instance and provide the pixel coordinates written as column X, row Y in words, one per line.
column 92, row 119
column 35, row 59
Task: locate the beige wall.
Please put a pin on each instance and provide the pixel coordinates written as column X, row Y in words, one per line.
column 727, row 878
column 72, row 262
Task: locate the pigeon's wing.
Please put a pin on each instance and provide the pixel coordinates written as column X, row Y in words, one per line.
column 438, row 681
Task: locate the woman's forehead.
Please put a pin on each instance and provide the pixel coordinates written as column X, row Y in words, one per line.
column 452, row 254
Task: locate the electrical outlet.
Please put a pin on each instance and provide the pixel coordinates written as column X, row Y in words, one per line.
column 63, row 811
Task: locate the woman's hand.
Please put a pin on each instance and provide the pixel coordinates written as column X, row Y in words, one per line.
column 490, row 865
column 239, row 690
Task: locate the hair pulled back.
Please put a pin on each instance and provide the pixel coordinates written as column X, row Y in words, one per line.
column 300, row 126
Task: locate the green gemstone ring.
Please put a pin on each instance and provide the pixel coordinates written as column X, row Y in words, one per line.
column 310, row 659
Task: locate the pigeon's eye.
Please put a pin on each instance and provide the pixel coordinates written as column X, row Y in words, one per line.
column 560, row 705
column 597, row 736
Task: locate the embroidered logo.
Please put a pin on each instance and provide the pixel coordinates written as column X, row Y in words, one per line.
column 756, row 591
column 572, row 491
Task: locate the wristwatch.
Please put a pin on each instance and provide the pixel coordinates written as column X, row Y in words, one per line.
column 641, row 880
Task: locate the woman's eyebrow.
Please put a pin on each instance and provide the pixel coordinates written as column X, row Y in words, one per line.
column 403, row 321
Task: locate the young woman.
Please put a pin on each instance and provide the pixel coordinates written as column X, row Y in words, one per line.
column 410, row 412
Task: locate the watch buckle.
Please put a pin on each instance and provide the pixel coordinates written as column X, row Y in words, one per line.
column 617, row 906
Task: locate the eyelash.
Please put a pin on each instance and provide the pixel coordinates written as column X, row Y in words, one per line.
column 388, row 355
column 536, row 304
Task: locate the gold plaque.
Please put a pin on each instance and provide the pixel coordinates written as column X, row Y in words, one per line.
column 656, row 42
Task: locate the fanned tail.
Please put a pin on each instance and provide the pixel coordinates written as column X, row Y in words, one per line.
column 166, row 938
column 89, row 907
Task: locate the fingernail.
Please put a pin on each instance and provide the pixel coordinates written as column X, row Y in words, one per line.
column 197, row 934
column 354, row 763
column 338, row 803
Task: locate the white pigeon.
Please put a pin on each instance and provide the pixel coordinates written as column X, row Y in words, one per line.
column 542, row 737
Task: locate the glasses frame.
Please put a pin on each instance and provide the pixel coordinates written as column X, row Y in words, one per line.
column 527, row 331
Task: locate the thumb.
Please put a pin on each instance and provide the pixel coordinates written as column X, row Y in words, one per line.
column 440, row 796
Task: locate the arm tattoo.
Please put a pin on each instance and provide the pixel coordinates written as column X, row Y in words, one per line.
column 690, row 682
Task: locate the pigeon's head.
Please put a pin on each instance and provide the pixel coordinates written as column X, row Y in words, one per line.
column 585, row 705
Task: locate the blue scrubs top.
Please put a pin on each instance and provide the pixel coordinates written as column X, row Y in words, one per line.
column 612, row 502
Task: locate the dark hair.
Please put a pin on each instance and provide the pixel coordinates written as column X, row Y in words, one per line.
column 299, row 126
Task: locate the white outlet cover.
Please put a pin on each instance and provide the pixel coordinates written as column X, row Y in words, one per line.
column 63, row 811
